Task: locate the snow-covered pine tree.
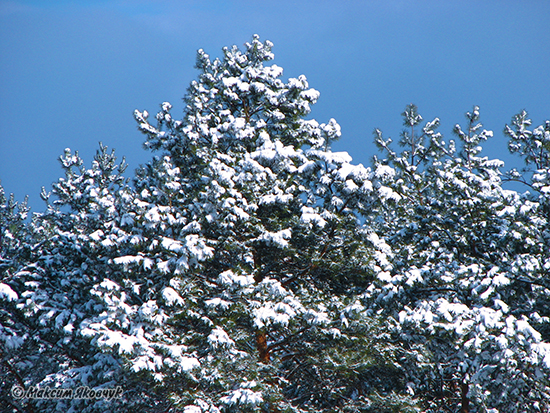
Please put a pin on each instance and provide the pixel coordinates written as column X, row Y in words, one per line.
column 53, row 288
column 13, row 234
column 533, row 232
column 251, row 252
column 461, row 248
column 14, row 244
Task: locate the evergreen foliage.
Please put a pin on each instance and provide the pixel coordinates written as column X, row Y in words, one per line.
column 247, row 267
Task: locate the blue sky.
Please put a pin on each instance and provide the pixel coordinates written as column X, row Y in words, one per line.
column 72, row 72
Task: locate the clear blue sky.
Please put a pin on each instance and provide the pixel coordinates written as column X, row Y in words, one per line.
column 72, row 72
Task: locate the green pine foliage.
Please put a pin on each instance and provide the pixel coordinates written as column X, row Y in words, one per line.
column 249, row 268
column 466, row 252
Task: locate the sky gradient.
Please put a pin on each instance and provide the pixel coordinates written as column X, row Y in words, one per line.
column 72, row 72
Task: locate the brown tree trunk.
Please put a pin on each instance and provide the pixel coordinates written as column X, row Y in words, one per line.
column 261, row 345
column 465, row 408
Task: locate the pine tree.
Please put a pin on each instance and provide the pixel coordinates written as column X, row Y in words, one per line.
column 460, row 246
column 260, row 250
column 55, row 282
column 13, row 249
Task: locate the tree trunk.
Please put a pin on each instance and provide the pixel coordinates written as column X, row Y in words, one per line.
column 464, row 396
column 261, row 345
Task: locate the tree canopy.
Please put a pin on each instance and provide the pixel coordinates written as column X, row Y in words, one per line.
column 248, row 267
